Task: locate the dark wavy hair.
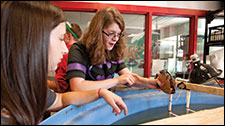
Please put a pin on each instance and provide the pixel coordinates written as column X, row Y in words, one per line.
column 93, row 38
column 25, row 36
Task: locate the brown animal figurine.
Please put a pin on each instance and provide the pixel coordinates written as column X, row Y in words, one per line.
column 169, row 82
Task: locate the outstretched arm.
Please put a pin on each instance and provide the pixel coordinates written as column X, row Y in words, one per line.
column 84, row 97
column 146, row 82
column 142, row 81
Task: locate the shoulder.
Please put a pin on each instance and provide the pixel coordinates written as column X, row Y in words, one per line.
column 51, row 96
column 78, row 48
column 78, row 45
column 78, row 53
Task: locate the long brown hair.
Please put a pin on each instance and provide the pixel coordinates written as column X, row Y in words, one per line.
column 25, row 36
column 93, row 39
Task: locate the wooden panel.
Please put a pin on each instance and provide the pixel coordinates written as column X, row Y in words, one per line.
column 203, row 88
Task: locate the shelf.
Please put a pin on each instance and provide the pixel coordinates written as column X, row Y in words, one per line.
column 216, row 43
column 216, row 38
column 216, row 35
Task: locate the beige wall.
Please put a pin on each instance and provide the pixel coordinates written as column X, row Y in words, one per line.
column 200, row 5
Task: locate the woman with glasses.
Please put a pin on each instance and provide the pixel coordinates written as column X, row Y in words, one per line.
column 93, row 60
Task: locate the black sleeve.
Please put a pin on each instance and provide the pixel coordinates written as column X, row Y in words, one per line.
column 51, row 96
column 77, row 61
column 120, row 66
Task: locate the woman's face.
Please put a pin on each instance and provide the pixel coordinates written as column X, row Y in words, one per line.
column 66, row 38
column 57, row 46
column 111, row 35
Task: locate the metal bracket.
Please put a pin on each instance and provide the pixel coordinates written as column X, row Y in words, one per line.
column 183, row 85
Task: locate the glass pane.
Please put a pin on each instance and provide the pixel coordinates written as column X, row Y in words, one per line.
column 81, row 18
column 201, row 33
column 134, row 54
column 170, row 40
column 216, row 53
column 200, row 38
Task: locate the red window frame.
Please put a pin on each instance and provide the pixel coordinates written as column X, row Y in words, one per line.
column 148, row 11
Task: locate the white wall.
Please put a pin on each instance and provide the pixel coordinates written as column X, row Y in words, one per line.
column 200, row 5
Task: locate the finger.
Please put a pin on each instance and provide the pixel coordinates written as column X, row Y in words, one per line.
column 135, row 76
column 124, row 109
column 118, row 112
column 132, row 79
column 115, row 108
column 159, row 83
column 113, row 111
column 129, row 83
column 123, row 106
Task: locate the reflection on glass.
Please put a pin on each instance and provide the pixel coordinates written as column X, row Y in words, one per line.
column 170, row 38
column 201, row 33
column 81, row 18
column 134, row 53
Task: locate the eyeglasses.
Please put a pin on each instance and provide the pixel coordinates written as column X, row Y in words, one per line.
column 112, row 35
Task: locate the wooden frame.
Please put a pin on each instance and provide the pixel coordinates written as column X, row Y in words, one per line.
column 201, row 88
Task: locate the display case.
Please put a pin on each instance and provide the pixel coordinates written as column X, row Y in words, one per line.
column 216, row 33
column 216, row 37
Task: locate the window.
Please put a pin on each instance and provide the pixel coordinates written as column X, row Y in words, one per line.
column 134, row 54
column 170, row 41
column 135, row 25
column 81, row 18
column 201, row 33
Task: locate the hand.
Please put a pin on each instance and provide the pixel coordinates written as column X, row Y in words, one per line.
column 114, row 100
column 152, row 83
column 127, row 78
column 147, row 82
column 159, row 83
